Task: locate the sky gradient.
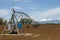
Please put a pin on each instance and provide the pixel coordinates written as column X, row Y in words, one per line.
column 36, row 9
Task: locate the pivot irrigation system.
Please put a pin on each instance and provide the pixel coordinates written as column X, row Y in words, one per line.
column 16, row 21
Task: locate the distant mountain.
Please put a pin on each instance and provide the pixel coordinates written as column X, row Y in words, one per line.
column 51, row 21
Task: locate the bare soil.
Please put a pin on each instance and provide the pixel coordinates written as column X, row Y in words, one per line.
column 46, row 32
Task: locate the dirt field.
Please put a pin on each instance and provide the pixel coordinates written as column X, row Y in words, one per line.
column 43, row 32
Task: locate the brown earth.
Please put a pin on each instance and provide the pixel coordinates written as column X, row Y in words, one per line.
column 46, row 31
column 1, row 27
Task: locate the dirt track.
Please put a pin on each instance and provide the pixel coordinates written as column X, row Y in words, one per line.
column 46, row 31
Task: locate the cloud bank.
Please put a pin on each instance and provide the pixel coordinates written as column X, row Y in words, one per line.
column 39, row 16
column 49, row 14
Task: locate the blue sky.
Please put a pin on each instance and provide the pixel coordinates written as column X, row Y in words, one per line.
column 36, row 9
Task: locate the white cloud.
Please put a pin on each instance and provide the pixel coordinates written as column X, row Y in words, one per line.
column 4, row 12
column 50, row 14
column 16, row 7
column 45, row 19
column 23, row 0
